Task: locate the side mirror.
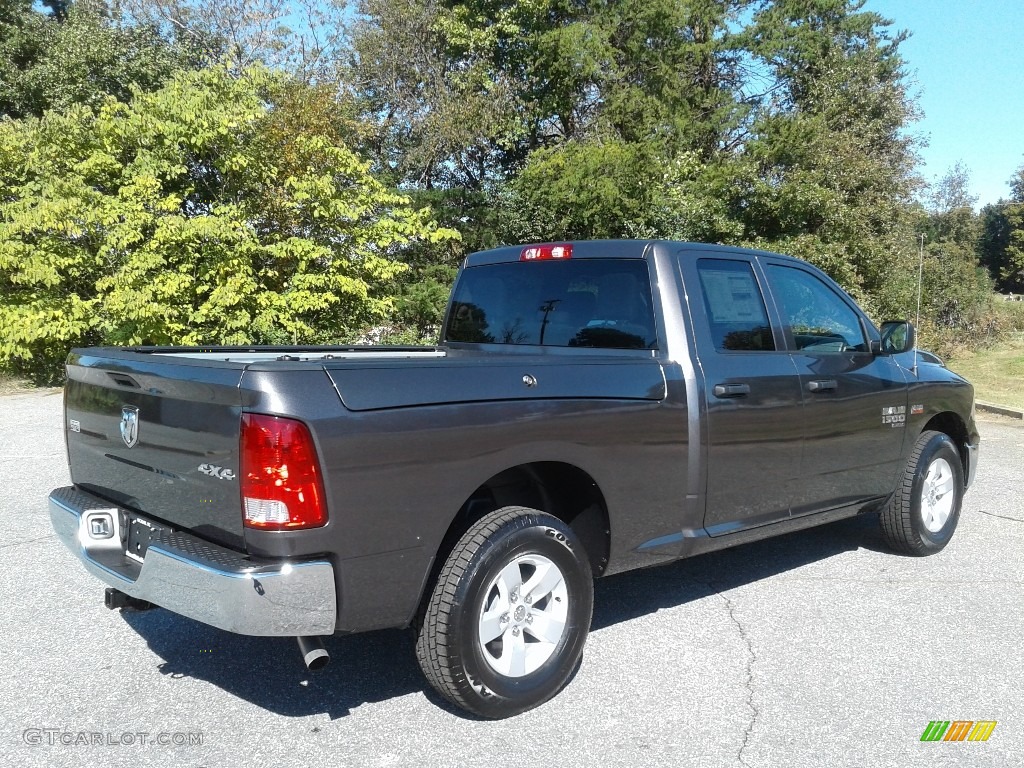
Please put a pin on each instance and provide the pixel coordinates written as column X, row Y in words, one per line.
column 897, row 336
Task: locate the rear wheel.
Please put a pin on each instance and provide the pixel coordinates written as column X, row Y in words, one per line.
column 505, row 625
column 923, row 513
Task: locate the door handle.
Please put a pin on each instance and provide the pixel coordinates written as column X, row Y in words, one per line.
column 822, row 385
column 731, row 390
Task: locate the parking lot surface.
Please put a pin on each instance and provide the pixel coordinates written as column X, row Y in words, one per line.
column 816, row 648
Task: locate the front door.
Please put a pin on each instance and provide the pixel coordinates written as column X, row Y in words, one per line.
column 855, row 403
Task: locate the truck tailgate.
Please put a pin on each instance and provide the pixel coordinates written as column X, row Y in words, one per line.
column 159, row 436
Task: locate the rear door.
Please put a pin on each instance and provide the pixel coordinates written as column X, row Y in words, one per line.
column 752, row 390
column 855, row 403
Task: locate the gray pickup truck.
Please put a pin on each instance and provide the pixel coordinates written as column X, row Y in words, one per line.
column 592, row 407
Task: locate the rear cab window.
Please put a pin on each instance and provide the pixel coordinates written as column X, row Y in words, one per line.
column 600, row 303
column 735, row 308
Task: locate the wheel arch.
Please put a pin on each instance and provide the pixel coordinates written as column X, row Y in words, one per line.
column 952, row 425
column 562, row 490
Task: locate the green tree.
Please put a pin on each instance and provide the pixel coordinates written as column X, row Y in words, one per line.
column 23, row 32
column 580, row 190
column 995, row 238
column 217, row 209
column 1013, row 264
column 774, row 123
column 424, row 73
column 421, row 303
column 834, row 169
column 300, row 37
column 562, row 116
column 1002, row 239
column 951, row 216
column 956, row 291
column 464, row 91
column 77, row 53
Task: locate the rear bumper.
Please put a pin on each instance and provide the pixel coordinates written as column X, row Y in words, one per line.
column 194, row 578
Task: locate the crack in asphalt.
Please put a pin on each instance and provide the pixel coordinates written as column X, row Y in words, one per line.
column 749, row 682
column 1001, row 517
column 26, row 541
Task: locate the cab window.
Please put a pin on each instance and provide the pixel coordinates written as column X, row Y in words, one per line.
column 605, row 303
column 819, row 320
column 734, row 306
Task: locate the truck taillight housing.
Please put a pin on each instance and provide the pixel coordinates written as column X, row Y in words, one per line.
column 549, row 252
column 281, row 485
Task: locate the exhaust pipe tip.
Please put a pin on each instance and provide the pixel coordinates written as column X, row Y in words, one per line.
column 314, row 655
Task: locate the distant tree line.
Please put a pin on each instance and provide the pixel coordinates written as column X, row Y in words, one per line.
column 270, row 171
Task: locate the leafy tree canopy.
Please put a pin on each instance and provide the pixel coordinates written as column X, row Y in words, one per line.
column 198, row 214
column 65, row 53
column 1002, row 239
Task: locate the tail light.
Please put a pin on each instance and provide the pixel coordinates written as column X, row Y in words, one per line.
column 550, row 252
column 281, row 485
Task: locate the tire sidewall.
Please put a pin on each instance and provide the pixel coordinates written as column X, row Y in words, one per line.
column 939, row 446
column 527, row 535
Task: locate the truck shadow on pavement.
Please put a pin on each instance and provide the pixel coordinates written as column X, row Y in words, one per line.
column 637, row 593
column 379, row 666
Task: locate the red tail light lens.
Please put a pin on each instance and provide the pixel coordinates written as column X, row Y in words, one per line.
column 281, row 485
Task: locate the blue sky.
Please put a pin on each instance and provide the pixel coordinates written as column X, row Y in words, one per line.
column 966, row 57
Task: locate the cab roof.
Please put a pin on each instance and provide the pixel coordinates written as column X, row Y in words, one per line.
column 607, row 249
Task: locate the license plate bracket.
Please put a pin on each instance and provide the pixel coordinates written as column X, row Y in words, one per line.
column 141, row 533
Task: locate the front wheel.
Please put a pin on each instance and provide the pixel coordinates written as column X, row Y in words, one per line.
column 506, row 622
column 923, row 513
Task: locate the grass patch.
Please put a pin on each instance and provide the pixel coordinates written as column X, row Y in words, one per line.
column 12, row 386
column 996, row 372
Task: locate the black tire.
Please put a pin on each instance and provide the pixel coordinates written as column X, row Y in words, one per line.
column 466, row 604
column 921, row 517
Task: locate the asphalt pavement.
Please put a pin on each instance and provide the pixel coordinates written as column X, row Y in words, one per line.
column 814, row 649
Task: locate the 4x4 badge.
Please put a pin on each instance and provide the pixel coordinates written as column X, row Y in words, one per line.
column 130, row 425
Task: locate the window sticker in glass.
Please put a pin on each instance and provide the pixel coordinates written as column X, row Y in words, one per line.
column 735, row 308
